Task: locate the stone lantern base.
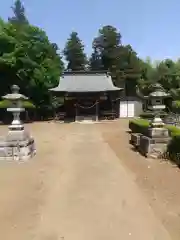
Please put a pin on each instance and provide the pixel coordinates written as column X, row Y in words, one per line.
column 17, row 145
column 155, row 142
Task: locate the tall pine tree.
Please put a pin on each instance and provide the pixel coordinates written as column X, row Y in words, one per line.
column 107, row 44
column 19, row 14
column 120, row 60
column 95, row 61
column 74, row 53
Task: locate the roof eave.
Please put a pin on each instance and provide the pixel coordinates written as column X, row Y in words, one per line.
column 82, row 91
column 56, row 89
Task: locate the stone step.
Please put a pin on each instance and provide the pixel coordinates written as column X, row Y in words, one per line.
column 85, row 118
column 153, row 156
column 156, row 153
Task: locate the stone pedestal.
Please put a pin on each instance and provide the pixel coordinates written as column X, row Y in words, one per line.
column 135, row 139
column 155, row 143
column 158, row 132
column 17, row 145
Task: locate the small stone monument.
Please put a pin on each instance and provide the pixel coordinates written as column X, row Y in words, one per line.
column 18, row 144
column 155, row 141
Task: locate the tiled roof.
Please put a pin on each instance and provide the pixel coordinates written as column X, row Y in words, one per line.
column 85, row 82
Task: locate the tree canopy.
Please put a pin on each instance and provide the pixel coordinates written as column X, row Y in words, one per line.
column 19, row 13
column 28, row 58
column 74, row 53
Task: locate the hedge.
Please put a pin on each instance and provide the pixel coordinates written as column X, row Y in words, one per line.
column 150, row 115
column 139, row 125
column 25, row 104
column 173, row 149
column 176, row 106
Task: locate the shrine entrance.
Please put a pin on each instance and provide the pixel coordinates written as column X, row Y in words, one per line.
column 87, row 109
column 86, row 94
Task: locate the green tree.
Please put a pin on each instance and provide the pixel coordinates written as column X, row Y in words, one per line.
column 148, row 76
column 120, row 60
column 166, row 73
column 7, row 46
column 19, row 14
column 129, row 67
column 74, row 53
column 95, row 62
column 107, row 43
column 28, row 59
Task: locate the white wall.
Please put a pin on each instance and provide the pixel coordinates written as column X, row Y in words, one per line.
column 127, row 109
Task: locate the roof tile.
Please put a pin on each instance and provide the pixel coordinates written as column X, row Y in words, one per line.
column 85, row 83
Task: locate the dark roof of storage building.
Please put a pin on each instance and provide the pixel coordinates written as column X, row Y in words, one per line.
column 85, row 82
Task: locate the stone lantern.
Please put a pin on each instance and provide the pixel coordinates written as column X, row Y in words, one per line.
column 16, row 99
column 18, row 143
column 153, row 141
column 156, row 104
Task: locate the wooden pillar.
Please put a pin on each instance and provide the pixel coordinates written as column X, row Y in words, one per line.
column 64, row 109
column 76, row 111
column 97, row 111
column 111, row 105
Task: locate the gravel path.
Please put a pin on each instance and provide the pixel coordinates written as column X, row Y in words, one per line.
column 74, row 189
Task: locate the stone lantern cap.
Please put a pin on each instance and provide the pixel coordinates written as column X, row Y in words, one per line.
column 158, row 91
column 15, row 95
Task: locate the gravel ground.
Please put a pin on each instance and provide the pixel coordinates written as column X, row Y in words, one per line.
column 86, row 183
column 159, row 180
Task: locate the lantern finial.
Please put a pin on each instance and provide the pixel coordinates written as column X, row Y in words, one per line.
column 15, row 89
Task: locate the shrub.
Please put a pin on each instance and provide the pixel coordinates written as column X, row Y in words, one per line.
column 174, row 131
column 25, row 104
column 173, row 149
column 28, row 104
column 139, row 125
column 176, row 106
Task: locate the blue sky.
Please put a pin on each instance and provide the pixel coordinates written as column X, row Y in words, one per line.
column 152, row 27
